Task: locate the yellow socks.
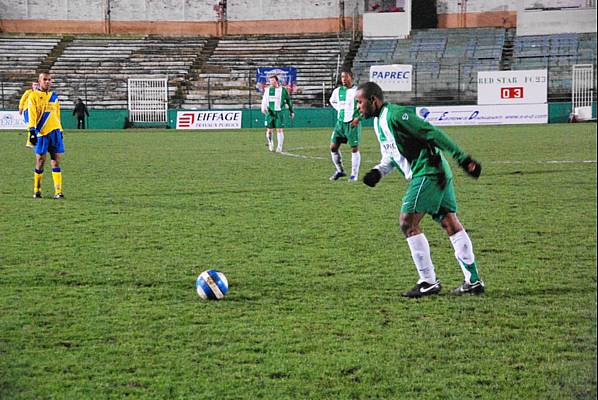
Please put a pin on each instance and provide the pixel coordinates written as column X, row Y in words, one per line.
column 57, row 177
column 38, row 174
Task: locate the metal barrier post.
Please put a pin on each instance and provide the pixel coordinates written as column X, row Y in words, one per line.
column 209, row 95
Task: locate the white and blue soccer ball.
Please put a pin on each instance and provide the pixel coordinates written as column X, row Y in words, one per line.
column 211, row 285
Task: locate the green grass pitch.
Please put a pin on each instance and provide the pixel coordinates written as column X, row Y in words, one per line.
column 97, row 297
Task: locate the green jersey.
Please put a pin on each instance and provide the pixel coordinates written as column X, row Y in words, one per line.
column 275, row 99
column 343, row 101
column 411, row 145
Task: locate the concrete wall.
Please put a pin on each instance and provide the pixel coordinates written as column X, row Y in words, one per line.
column 556, row 21
column 120, row 10
column 162, row 10
column 511, row 13
column 388, row 24
column 197, row 17
column 258, row 10
column 176, row 17
column 477, row 13
column 476, row 6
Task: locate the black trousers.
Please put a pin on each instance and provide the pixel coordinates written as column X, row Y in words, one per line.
column 80, row 122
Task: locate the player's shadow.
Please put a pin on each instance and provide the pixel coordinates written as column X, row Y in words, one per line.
column 524, row 291
column 139, row 200
column 533, row 172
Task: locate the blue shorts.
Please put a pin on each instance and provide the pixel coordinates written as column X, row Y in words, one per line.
column 50, row 143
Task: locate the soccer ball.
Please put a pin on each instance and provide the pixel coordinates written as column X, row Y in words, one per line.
column 211, row 285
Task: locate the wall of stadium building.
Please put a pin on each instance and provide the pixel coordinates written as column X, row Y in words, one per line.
column 556, row 21
column 528, row 16
column 477, row 13
column 176, row 17
column 198, row 17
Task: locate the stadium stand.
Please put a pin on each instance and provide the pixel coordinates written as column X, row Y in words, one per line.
column 220, row 73
column 557, row 53
column 20, row 59
column 445, row 61
column 227, row 78
column 97, row 68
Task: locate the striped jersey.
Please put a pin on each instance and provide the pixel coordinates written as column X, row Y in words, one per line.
column 275, row 99
column 44, row 112
column 344, row 102
column 411, row 145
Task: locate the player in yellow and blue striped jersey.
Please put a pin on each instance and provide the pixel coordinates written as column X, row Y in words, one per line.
column 45, row 133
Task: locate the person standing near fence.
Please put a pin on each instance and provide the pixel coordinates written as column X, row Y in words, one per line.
column 45, row 133
column 273, row 104
column 23, row 108
column 80, row 111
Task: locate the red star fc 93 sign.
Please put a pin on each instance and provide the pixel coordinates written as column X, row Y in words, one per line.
column 513, row 87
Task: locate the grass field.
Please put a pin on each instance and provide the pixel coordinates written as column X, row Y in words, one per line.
column 97, row 291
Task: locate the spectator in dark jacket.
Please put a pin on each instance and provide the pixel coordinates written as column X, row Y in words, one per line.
column 80, row 111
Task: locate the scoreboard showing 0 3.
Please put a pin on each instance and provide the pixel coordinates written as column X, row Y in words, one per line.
column 513, row 87
column 511, row 93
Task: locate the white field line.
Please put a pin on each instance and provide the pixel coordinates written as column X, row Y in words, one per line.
column 293, row 153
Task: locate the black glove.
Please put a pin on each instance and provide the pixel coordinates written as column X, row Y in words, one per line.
column 372, row 177
column 477, row 171
column 32, row 136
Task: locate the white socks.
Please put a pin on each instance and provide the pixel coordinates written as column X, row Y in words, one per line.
column 337, row 160
column 280, row 137
column 464, row 255
column 420, row 252
column 355, row 162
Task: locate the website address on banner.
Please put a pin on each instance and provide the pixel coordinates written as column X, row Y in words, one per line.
column 485, row 115
column 526, row 116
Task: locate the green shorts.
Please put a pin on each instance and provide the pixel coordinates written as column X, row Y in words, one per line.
column 424, row 195
column 345, row 132
column 274, row 119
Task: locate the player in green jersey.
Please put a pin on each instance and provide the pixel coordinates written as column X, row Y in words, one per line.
column 347, row 129
column 273, row 104
column 415, row 148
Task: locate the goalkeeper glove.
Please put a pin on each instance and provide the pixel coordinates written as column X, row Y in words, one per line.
column 471, row 167
column 372, row 177
column 32, row 136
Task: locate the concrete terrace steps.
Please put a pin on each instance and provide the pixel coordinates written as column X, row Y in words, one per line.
column 232, row 65
column 21, row 57
column 103, row 65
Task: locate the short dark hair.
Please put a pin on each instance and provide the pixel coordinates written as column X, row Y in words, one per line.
column 274, row 76
column 371, row 89
column 348, row 72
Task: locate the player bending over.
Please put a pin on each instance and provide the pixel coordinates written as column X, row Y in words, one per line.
column 415, row 148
